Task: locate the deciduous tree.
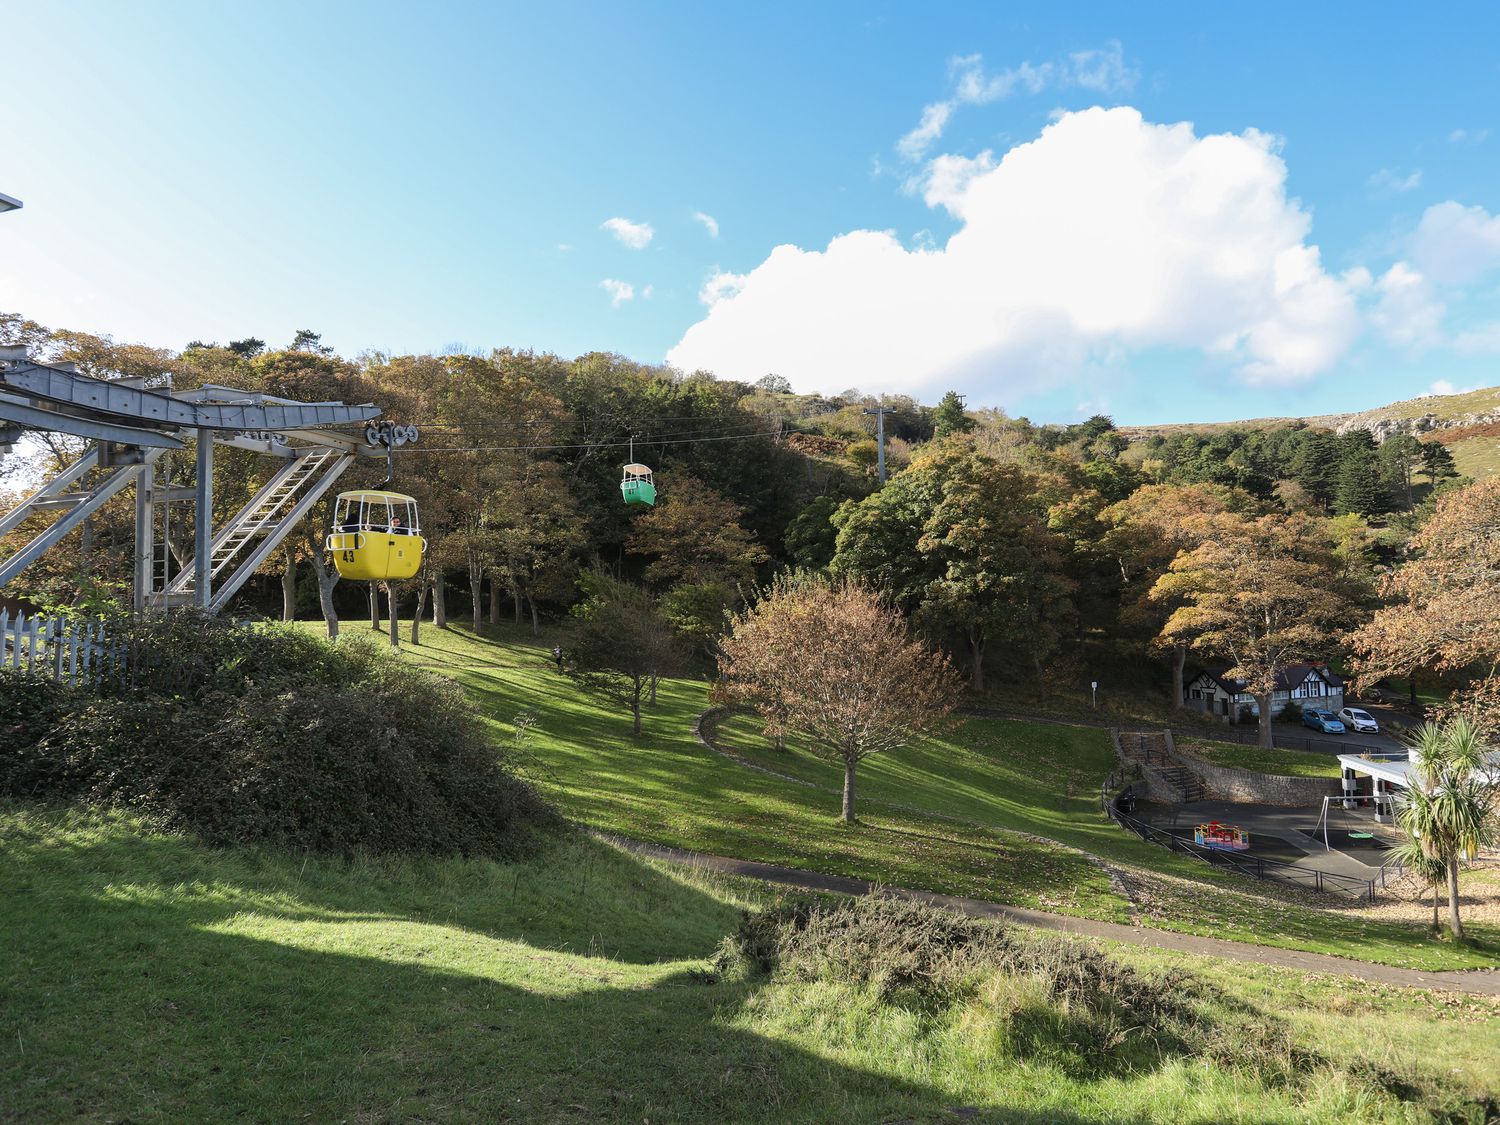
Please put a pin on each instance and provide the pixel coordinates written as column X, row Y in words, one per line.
column 829, row 662
column 622, row 644
column 1258, row 594
column 1445, row 619
column 694, row 535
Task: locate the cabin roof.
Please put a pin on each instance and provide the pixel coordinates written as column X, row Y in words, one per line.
column 1289, row 677
column 375, row 494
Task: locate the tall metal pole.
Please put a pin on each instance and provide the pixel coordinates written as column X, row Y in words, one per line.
column 145, row 537
column 880, row 412
column 203, row 531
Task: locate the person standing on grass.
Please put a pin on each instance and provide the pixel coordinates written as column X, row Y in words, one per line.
column 557, row 656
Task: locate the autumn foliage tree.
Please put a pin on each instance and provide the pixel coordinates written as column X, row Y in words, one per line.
column 693, row 535
column 1146, row 531
column 830, row 663
column 1259, row 594
column 1445, row 619
column 621, row 645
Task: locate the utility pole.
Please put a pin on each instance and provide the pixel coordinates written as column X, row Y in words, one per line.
column 880, row 412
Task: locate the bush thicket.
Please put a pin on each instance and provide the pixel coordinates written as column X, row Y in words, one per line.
column 268, row 734
column 1030, row 995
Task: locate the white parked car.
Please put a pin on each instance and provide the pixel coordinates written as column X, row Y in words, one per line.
column 1357, row 720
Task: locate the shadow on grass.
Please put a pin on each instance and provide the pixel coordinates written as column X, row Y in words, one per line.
column 148, row 977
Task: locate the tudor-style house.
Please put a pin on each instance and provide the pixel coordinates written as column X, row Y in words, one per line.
column 1309, row 685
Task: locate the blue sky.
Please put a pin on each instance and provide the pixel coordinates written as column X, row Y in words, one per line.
column 410, row 177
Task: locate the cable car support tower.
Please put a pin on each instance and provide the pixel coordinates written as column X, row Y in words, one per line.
column 130, row 425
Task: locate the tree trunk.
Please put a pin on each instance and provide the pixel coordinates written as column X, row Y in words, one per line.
column 476, row 589
column 1437, row 926
column 375, row 606
column 536, row 625
column 653, row 689
column 848, row 812
column 515, row 594
column 976, row 661
column 416, row 617
column 395, row 611
column 635, row 707
column 1411, row 690
column 289, row 588
column 1179, row 663
column 494, row 601
column 1455, row 923
column 327, row 580
column 1267, row 739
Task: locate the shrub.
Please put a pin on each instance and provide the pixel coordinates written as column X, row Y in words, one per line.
column 30, row 707
column 268, row 734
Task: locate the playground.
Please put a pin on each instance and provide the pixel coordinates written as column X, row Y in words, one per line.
column 1357, row 846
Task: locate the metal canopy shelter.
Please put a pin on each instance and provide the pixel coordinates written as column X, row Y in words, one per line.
column 132, row 426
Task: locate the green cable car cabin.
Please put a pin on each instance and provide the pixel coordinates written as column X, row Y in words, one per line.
column 636, row 485
column 376, row 536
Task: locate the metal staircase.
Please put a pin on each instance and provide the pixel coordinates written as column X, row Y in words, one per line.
column 243, row 543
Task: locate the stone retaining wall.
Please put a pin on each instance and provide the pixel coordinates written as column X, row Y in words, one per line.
column 1226, row 783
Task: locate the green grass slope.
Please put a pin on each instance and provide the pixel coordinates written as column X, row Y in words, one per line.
column 958, row 815
column 146, row 977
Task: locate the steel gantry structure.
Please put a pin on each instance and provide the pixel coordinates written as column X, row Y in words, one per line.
column 130, row 426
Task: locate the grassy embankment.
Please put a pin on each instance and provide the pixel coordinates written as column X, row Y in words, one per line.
column 150, row 978
column 1283, row 763
column 951, row 815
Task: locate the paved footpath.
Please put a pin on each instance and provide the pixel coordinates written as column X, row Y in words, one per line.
column 1482, row 982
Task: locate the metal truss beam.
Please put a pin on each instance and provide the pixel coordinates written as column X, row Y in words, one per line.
column 118, row 398
column 87, row 506
column 39, row 418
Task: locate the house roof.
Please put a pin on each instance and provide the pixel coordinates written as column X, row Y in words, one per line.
column 1289, row 677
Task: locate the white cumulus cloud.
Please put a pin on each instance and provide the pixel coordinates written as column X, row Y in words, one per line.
column 637, row 236
column 619, row 291
column 721, row 285
column 1105, row 233
column 710, row 223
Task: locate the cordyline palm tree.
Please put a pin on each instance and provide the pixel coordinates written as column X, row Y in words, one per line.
column 1432, row 872
column 1449, row 811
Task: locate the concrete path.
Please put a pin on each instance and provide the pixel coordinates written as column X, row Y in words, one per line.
column 1481, row 982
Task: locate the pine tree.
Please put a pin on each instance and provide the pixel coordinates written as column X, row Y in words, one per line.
column 1316, row 466
column 1359, row 491
column 1437, row 459
column 948, row 416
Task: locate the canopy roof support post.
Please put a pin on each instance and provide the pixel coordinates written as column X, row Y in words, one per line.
column 145, row 538
column 203, row 524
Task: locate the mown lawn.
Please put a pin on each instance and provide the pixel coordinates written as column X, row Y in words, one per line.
column 1283, row 763
column 147, row 977
column 1000, row 778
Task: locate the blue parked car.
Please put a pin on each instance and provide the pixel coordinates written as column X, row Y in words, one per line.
column 1325, row 721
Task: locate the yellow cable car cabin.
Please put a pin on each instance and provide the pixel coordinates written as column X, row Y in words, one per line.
column 376, row 536
column 636, row 485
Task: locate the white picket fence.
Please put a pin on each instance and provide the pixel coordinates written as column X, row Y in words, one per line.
column 68, row 650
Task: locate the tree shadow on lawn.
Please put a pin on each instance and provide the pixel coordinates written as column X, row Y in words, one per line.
column 577, row 894
column 236, row 997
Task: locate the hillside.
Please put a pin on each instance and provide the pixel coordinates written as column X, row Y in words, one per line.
column 1468, row 423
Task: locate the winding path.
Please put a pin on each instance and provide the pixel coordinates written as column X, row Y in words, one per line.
column 1482, row 982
